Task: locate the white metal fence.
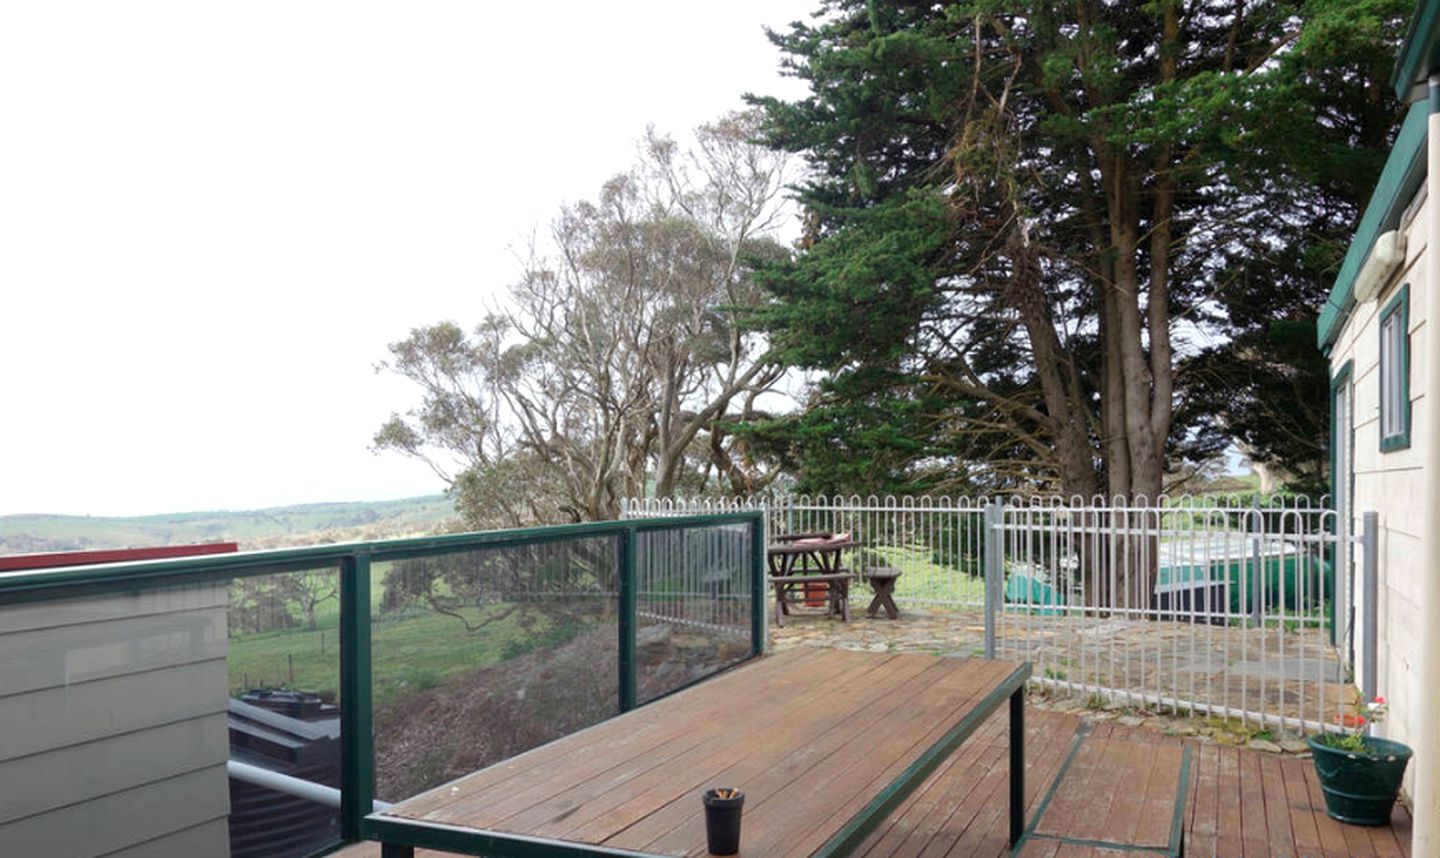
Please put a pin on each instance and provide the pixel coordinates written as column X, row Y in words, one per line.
column 935, row 542
column 697, row 578
column 1233, row 607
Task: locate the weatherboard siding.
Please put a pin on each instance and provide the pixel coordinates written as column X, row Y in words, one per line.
column 1391, row 483
column 115, row 733
column 189, row 843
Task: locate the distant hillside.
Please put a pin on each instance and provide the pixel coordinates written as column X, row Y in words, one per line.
column 305, row 524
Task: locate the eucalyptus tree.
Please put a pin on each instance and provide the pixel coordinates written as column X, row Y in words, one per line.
column 620, row 361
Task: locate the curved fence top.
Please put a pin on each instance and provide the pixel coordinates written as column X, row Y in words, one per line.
column 1229, row 501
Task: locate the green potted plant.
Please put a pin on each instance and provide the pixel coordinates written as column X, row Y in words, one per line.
column 1360, row 775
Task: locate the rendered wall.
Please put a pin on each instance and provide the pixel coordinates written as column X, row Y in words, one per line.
column 113, row 715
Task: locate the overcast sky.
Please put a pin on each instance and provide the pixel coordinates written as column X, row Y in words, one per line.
column 214, row 217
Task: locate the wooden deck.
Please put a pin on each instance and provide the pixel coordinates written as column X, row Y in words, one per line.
column 1239, row 803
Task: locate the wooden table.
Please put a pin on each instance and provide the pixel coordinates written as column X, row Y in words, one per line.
column 824, row 744
column 802, row 561
column 823, row 550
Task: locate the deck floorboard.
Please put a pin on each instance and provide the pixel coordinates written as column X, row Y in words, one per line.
column 1239, row 801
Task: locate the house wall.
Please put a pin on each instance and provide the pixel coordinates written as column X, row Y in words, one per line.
column 1390, row 484
column 115, row 730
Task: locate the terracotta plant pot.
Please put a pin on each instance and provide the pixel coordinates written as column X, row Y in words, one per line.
column 1360, row 786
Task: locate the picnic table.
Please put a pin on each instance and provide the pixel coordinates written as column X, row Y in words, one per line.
column 810, row 563
column 821, row 763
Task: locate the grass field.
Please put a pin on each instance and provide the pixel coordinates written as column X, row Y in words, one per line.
column 26, row 533
column 411, row 651
column 925, row 581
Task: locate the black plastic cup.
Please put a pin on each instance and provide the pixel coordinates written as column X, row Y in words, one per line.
column 722, row 821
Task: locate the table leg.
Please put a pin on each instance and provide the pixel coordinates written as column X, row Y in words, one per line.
column 1017, row 765
column 780, row 606
column 392, row 850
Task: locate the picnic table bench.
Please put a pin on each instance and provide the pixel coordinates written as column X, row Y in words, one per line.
column 836, row 587
column 810, row 564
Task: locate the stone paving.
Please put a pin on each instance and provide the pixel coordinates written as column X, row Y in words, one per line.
column 1292, row 673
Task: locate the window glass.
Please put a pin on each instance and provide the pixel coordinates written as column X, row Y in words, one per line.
column 1394, row 375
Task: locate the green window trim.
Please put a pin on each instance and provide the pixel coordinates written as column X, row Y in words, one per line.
column 1399, row 439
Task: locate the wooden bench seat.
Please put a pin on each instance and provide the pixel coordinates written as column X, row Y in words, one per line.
column 837, row 592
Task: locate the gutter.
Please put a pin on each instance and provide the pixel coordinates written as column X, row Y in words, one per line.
column 1426, row 688
column 1401, row 177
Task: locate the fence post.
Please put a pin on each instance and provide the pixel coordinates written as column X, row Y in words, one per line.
column 759, row 631
column 1257, row 569
column 628, row 606
column 357, row 739
column 1370, row 571
column 994, row 572
column 1257, row 583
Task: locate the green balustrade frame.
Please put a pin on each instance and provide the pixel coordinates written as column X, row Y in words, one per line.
column 354, row 561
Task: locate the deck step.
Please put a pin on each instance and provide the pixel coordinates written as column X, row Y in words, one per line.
column 1113, row 796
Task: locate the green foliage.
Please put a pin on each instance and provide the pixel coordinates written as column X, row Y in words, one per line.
column 958, row 290
column 550, row 580
column 862, row 433
column 1352, row 742
column 620, row 358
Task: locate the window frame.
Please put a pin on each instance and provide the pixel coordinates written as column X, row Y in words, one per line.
column 1396, row 440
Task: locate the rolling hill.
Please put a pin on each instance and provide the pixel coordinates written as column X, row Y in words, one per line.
column 304, row 524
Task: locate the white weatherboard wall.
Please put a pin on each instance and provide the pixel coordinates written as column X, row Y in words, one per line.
column 113, row 726
column 1390, row 484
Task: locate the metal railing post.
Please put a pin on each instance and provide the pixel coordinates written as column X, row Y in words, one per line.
column 629, row 605
column 357, row 739
column 1257, row 570
column 759, row 633
column 1370, row 570
column 994, row 572
column 1257, row 583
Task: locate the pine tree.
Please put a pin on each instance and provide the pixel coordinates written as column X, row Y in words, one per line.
column 1038, row 231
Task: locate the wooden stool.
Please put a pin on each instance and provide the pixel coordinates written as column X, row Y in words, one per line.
column 882, row 581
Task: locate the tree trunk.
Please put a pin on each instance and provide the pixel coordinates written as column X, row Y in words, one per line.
column 1069, row 426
